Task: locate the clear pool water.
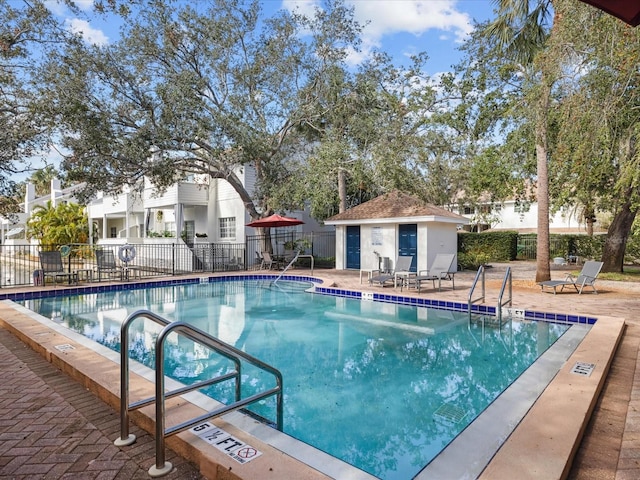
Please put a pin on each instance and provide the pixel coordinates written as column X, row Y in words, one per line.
column 381, row 386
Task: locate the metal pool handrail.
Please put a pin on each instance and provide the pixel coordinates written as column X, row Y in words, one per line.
column 506, row 281
column 479, row 275
column 162, row 467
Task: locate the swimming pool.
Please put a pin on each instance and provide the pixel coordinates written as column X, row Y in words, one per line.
column 383, row 386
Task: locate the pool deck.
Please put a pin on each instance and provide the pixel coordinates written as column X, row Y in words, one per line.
column 58, row 419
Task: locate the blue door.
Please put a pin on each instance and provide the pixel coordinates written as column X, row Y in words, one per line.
column 408, row 243
column 353, row 247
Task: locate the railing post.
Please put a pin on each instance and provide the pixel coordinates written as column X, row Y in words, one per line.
column 125, row 437
column 162, row 467
column 173, row 259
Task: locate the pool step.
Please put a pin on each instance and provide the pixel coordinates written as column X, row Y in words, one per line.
column 488, row 320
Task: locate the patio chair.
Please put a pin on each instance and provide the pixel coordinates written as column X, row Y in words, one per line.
column 268, row 261
column 586, row 278
column 442, row 268
column 51, row 266
column 401, row 270
column 106, row 263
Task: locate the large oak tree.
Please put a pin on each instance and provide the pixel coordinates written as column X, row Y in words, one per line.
column 208, row 87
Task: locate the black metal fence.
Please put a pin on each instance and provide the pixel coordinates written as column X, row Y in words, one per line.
column 528, row 244
column 321, row 245
column 20, row 264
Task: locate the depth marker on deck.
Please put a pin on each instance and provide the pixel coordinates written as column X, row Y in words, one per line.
column 226, row 443
column 584, row 369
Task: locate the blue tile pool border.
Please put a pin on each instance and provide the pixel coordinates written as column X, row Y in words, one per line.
column 451, row 305
column 332, row 291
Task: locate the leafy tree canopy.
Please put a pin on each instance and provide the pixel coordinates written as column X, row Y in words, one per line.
column 207, row 88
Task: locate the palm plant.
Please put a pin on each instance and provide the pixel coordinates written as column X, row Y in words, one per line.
column 522, row 30
column 64, row 223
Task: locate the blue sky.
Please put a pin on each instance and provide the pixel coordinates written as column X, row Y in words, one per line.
column 400, row 27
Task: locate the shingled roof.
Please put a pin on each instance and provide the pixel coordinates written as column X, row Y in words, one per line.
column 396, row 205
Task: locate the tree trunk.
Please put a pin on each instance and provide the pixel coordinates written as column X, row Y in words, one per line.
column 265, row 240
column 342, row 189
column 589, row 227
column 616, row 243
column 543, row 269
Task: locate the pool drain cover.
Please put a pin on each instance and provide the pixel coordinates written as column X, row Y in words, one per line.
column 450, row 413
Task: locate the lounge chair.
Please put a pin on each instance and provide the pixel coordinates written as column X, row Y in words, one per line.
column 106, row 262
column 401, row 270
column 586, row 278
column 268, row 261
column 442, row 268
column 51, row 266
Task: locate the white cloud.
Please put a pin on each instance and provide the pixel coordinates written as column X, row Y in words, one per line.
column 387, row 17
column 56, row 8
column 304, row 7
column 84, row 5
column 90, row 34
column 383, row 19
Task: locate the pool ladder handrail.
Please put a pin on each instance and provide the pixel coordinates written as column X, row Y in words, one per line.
column 507, row 281
column 480, row 275
column 162, row 467
column 294, row 260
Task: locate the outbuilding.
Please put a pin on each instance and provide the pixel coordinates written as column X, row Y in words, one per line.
column 373, row 234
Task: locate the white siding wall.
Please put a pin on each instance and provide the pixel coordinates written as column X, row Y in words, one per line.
column 441, row 238
column 193, row 193
column 341, row 249
column 509, row 219
column 389, row 248
column 151, row 200
column 224, row 202
column 117, row 204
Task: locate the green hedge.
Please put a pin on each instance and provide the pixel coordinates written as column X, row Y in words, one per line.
column 632, row 251
column 586, row 246
column 475, row 249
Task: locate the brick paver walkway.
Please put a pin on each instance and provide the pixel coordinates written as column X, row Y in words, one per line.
column 53, row 428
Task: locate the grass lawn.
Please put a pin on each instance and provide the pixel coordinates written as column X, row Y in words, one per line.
column 631, row 274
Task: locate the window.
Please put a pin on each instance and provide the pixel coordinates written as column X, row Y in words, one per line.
column 467, row 210
column 170, row 227
column 521, row 206
column 227, row 228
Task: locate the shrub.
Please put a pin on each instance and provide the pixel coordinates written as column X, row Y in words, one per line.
column 498, row 246
column 473, row 259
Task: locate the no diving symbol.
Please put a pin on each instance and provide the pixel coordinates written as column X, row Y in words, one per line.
column 247, row 452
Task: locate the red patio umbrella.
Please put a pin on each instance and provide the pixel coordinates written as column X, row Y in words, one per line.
column 275, row 221
column 626, row 10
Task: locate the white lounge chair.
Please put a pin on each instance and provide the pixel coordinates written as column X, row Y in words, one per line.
column 586, row 278
column 442, row 268
column 402, row 266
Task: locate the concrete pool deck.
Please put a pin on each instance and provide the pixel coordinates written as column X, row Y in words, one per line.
column 609, row 449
